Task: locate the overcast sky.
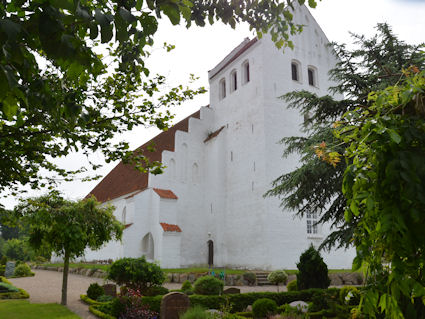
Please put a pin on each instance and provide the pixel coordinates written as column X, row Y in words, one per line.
column 200, row 49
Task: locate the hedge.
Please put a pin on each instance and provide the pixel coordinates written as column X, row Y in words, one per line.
column 99, row 313
column 22, row 294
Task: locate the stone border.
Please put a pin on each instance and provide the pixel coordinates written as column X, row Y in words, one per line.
column 337, row 279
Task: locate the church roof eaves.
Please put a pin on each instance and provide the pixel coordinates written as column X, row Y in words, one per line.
column 124, row 179
column 165, row 193
column 232, row 56
column 171, row 228
column 213, row 134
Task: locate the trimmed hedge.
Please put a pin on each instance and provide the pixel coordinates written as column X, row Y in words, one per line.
column 21, row 294
column 99, row 313
column 88, row 300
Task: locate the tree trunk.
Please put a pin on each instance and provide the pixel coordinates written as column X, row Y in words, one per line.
column 65, row 278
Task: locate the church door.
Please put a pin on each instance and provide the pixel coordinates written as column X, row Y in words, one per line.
column 210, row 253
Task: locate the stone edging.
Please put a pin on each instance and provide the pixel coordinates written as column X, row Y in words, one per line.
column 337, row 279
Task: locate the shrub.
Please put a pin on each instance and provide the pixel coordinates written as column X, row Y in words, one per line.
column 8, row 287
column 250, row 277
column 40, row 260
column 136, row 273
column 292, row 285
column 208, row 285
column 264, row 307
column 131, row 306
column 104, row 298
column 3, row 260
column 23, row 270
column 277, row 277
column 95, row 291
column 196, row 312
column 186, row 286
column 319, row 302
column 155, row 291
column 2, row 269
column 313, row 272
column 349, row 295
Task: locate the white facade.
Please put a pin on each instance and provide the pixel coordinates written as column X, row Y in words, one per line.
column 219, row 180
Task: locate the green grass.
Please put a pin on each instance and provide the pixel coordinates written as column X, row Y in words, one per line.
column 189, row 270
column 22, row 309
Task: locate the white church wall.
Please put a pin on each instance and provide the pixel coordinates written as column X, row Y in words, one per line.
column 171, row 243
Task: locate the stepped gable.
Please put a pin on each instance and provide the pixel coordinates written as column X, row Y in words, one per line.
column 125, row 179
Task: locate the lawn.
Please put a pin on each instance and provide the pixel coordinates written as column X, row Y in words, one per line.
column 22, row 309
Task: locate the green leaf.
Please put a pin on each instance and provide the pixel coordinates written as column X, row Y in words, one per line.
column 312, row 3
column 106, row 33
column 101, row 18
column 63, row 4
column 126, row 15
column 172, row 11
column 10, row 107
column 395, row 136
column 139, row 4
column 94, row 31
column 10, row 28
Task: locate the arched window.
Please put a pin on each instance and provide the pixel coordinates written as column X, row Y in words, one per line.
column 195, row 173
column 124, row 216
column 148, row 246
column 245, row 72
column 233, row 81
column 295, row 70
column 222, row 89
column 312, row 75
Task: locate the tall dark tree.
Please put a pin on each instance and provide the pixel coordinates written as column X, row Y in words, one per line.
column 374, row 64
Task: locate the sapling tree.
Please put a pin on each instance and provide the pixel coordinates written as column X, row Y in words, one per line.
column 68, row 227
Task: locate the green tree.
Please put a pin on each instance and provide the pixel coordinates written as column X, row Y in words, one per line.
column 384, row 187
column 312, row 270
column 68, row 227
column 58, row 94
column 315, row 186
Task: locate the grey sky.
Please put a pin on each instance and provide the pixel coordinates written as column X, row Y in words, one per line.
column 200, row 49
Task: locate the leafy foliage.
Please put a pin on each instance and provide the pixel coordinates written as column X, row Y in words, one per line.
column 292, row 285
column 23, row 270
column 208, row 285
column 130, row 305
column 264, row 307
column 68, row 227
column 315, row 186
column 136, row 273
column 58, row 94
column 196, row 312
column 18, row 249
column 95, row 291
column 187, row 285
column 277, row 277
column 313, row 272
column 384, row 187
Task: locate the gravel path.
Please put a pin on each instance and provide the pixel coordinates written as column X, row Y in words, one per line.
column 46, row 287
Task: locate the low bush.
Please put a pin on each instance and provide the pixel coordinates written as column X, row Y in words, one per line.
column 40, row 260
column 99, row 313
column 277, row 277
column 196, row 312
column 264, row 307
column 20, row 294
column 23, row 270
column 292, row 285
column 187, row 285
column 208, row 285
column 104, row 298
column 7, row 287
column 136, row 273
column 131, row 306
column 250, row 277
column 155, row 291
column 2, row 269
column 3, row 260
column 95, row 291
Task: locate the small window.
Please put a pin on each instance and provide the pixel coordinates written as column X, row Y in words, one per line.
column 312, row 76
column 222, row 89
column 233, row 81
column 312, row 224
column 245, row 72
column 124, row 216
column 294, row 71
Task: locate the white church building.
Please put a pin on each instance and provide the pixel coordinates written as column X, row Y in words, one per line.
column 208, row 205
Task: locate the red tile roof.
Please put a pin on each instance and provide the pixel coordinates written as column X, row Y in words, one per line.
column 165, row 193
column 213, row 134
column 170, row 227
column 125, row 179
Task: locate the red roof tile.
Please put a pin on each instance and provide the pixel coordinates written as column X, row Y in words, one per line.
column 170, row 227
column 125, row 179
column 165, row 193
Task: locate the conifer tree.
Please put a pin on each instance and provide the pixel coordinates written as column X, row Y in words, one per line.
column 374, row 64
